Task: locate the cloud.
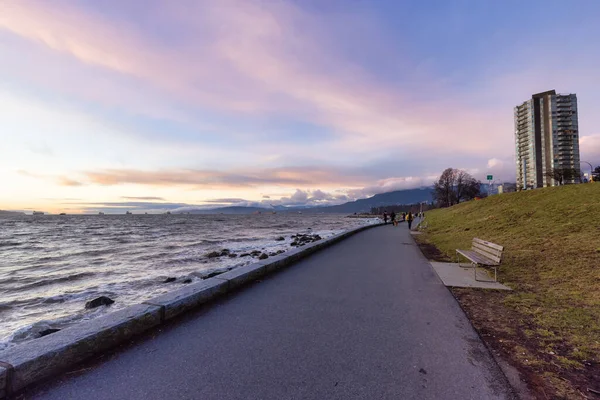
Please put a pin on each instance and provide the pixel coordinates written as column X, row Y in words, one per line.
column 29, row 174
column 293, row 176
column 240, row 57
column 225, row 200
column 494, row 162
column 300, row 196
column 392, row 184
column 318, row 195
column 120, row 207
column 142, row 198
column 63, row 199
column 41, row 149
column 64, row 181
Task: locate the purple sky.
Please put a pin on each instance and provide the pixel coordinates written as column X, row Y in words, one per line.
column 282, row 102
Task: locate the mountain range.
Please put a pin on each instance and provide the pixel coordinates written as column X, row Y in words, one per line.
column 410, row 196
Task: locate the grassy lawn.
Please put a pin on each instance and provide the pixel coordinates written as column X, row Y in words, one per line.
column 549, row 326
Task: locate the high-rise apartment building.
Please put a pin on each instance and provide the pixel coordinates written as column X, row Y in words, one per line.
column 546, row 139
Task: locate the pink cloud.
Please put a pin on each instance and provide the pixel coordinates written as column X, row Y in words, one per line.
column 291, row 176
column 242, row 57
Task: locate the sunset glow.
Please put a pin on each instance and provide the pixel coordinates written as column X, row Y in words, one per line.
column 104, row 105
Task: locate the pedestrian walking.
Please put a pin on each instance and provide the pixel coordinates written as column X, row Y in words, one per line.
column 409, row 219
column 385, row 217
column 393, row 218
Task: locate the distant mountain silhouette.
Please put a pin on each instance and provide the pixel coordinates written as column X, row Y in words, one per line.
column 410, row 196
column 3, row 212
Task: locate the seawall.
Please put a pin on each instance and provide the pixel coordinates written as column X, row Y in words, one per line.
column 34, row 361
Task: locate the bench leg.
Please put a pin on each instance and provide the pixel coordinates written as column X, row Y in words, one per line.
column 487, row 280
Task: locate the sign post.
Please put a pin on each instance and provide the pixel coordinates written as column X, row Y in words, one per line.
column 490, row 178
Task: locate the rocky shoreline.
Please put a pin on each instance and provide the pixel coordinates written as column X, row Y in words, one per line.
column 297, row 240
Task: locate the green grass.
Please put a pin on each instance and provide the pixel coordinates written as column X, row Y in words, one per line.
column 551, row 260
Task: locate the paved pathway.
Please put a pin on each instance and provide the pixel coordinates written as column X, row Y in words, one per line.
column 364, row 319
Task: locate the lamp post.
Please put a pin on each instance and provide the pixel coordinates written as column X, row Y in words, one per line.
column 591, row 169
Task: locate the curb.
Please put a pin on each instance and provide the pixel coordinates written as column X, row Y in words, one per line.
column 39, row 359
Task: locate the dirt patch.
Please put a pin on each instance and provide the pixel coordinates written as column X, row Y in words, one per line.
column 512, row 337
column 431, row 252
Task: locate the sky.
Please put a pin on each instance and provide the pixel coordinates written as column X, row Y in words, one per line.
column 150, row 105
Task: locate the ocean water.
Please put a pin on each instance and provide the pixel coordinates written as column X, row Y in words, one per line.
column 51, row 265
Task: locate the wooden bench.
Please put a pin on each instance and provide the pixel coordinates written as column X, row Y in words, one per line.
column 482, row 253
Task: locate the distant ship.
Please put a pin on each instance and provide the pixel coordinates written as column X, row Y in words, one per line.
column 62, row 214
column 100, row 213
column 38, row 213
column 128, row 213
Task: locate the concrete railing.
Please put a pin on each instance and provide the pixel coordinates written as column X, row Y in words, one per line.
column 39, row 359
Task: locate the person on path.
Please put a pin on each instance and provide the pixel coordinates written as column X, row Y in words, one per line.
column 393, row 218
column 409, row 219
column 385, row 217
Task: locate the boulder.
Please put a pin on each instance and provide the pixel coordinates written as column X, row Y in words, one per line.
column 213, row 254
column 225, row 252
column 100, row 301
column 245, row 255
column 233, row 255
column 301, row 239
column 215, row 273
column 280, row 239
column 170, row 279
column 255, row 253
column 48, row 331
column 187, row 280
column 263, row 256
column 280, row 251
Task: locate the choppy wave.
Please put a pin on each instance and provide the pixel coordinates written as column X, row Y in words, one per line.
column 52, row 265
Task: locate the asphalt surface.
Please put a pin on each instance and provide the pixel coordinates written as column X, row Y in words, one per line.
column 364, row 319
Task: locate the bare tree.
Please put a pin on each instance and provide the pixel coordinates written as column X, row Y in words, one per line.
column 561, row 175
column 557, row 174
column 455, row 186
column 443, row 189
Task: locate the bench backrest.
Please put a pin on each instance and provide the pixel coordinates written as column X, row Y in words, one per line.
column 487, row 249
